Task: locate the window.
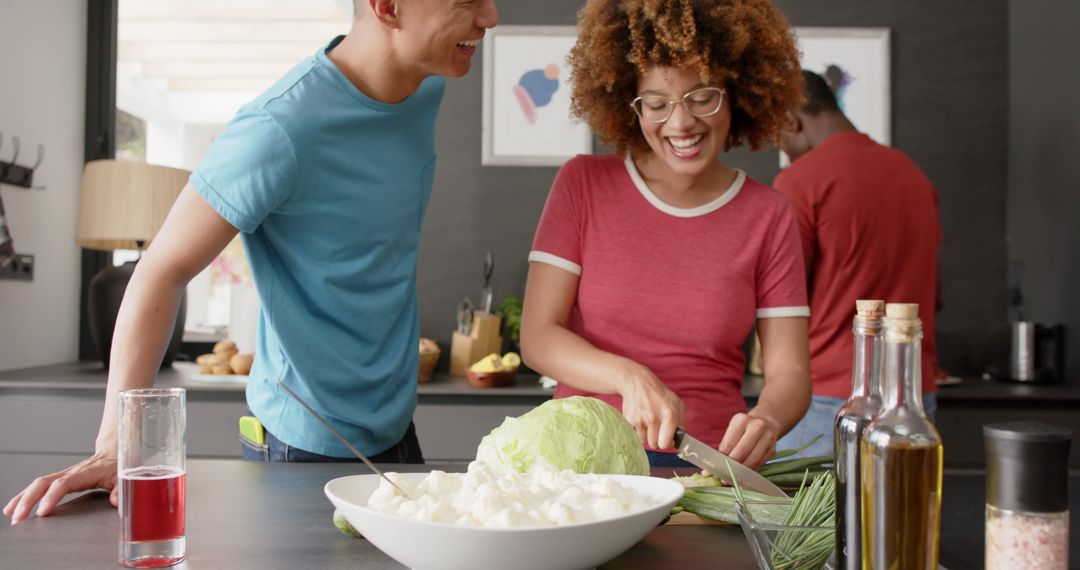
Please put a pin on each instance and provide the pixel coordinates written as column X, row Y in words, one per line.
column 183, row 68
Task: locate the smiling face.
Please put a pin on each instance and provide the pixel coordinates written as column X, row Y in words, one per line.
column 440, row 36
column 687, row 144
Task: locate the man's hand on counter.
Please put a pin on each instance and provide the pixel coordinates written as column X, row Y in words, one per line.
column 95, row 472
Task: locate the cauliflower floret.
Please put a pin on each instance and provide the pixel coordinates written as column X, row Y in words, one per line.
column 544, row 496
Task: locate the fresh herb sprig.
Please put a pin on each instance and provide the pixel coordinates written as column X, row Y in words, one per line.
column 814, row 506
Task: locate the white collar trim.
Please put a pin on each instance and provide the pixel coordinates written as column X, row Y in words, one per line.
column 709, row 207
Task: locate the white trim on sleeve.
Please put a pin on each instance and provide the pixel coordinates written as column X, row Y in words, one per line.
column 774, row 312
column 545, row 257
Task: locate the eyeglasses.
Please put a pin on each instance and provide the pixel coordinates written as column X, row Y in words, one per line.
column 703, row 102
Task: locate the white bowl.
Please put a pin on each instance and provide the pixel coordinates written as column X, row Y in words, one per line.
column 424, row 545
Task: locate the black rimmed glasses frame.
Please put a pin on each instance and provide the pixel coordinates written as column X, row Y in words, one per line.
column 698, row 102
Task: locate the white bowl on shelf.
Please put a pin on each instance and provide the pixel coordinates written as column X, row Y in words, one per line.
column 424, row 545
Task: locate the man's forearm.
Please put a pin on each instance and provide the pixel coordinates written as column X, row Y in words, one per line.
column 144, row 325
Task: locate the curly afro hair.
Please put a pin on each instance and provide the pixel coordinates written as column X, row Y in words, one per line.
column 744, row 45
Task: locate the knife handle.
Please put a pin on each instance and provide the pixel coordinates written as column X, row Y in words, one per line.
column 679, row 433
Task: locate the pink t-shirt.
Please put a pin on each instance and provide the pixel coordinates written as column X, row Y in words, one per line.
column 675, row 289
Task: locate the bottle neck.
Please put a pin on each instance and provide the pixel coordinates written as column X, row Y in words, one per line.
column 903, row 371
column 866, row 370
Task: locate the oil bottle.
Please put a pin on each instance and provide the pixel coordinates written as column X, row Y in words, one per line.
column 857, row 412
column 901, row 458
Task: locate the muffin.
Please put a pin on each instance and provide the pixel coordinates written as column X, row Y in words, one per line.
column 241, row 363
column 226, row 348
column 207, row 362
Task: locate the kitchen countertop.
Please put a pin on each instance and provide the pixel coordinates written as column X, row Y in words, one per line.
column 263, row 515
column 89, row 377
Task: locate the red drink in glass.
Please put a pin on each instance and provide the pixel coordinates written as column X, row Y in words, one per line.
column 152, row 476
column 155, row 509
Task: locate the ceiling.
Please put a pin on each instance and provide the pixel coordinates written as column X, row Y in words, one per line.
column 197, row 61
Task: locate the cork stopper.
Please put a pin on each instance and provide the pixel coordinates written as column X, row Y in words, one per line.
column 902, row 310
column 873, row 309
column 902, row 322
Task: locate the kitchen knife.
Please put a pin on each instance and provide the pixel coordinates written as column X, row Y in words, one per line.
column 486, row 293
column 465, row 316
column 711, row 460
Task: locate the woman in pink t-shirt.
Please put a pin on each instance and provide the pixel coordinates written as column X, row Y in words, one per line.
column 650, row 266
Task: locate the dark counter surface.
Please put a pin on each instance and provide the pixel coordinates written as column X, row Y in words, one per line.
column 976, row 389
column 260, row 515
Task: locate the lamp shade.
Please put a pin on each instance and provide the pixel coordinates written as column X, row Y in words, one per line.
column 122, row 204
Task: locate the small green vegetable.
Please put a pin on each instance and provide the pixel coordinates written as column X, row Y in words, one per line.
column 344, row 525
column 698, row 480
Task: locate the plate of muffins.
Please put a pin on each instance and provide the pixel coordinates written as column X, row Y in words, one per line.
column 226, row 363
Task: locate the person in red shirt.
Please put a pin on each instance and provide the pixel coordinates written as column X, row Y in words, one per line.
column 650, row 266
column 868, row 219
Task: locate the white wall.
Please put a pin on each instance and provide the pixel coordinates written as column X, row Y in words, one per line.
column 42, row 98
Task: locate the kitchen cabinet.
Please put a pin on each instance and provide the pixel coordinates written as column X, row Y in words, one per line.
column 57, row 410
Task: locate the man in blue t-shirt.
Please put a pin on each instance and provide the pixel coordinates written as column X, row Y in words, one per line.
column 326, row 175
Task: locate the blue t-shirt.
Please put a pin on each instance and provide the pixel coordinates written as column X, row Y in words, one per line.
column 329, row 188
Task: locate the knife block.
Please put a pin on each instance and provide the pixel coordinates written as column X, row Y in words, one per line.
column 481, row 341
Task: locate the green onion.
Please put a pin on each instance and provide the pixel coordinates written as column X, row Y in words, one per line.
column 789, row 452
column 794, row 479
column 706, row 498
column 795, row 465
column 716, row 503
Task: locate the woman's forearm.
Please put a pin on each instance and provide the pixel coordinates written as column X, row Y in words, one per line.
column 785, row 356
column 555, row 351
column 784, row 399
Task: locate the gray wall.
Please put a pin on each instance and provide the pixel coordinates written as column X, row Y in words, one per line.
column 42, row 101
column 1044, row 172
column 949, row 87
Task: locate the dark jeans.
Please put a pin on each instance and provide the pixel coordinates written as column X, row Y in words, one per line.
column 661, row 459
column 274, row 450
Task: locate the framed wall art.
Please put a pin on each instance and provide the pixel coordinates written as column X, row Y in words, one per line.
column 526, row 98
column 856, row 63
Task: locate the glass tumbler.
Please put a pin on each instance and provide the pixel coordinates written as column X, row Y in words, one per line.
column 151, row 473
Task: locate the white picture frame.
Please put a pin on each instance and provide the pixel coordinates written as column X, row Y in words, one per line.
column 526, row 98
column 859, row 58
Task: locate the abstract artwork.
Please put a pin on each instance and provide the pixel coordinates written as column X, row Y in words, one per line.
column 526, row 101
column 855, row 62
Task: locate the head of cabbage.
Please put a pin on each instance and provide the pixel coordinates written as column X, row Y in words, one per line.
column 582, row 434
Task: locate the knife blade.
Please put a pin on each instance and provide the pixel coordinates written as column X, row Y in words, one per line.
column 710, row 459
column 338, row 435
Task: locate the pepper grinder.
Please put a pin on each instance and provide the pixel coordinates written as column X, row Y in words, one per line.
column 1027, row 496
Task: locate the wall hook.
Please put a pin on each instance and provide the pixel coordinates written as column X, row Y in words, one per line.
column 15, row 174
